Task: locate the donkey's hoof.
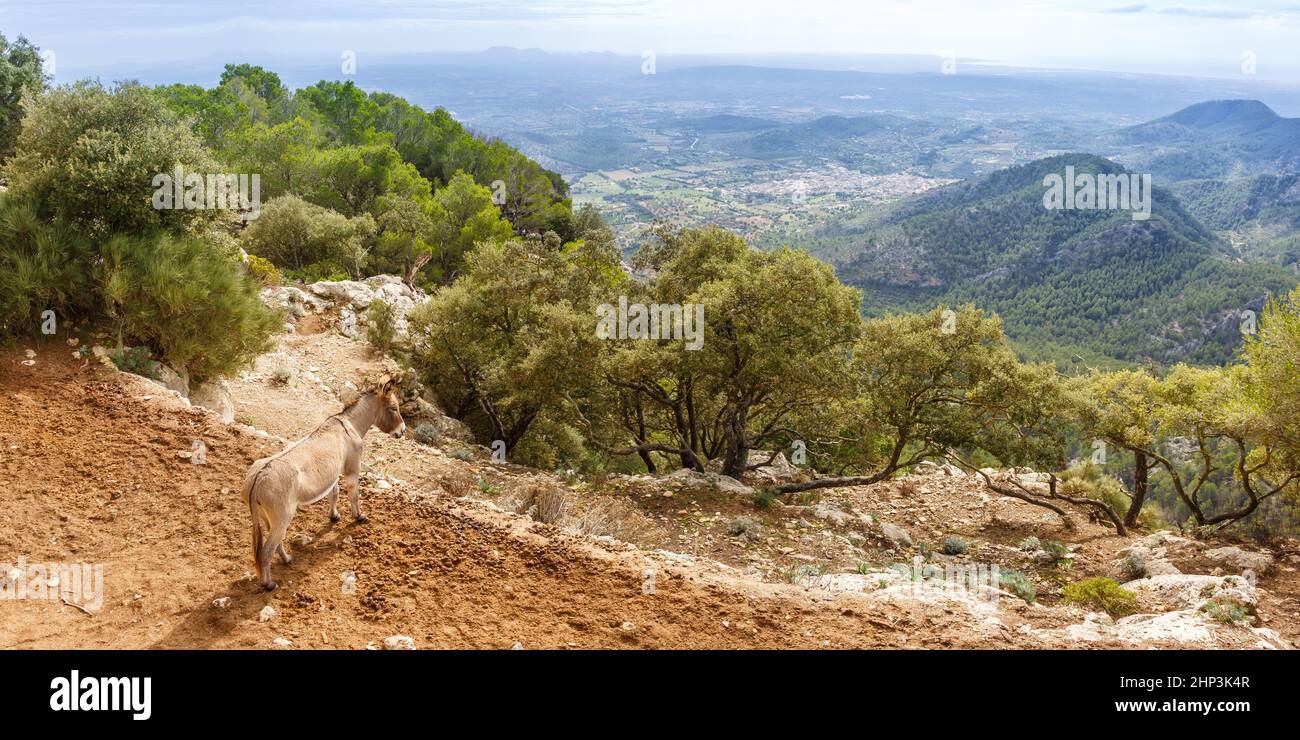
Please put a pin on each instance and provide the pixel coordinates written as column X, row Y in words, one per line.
column 334, row 517
column 270, row 586
column 361, row 519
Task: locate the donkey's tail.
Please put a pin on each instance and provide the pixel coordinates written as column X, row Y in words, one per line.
column 254, row 509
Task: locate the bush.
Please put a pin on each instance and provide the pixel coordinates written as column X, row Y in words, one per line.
column 282, row 376
column 426, row 433
column 745, row 527
column 1227, row 612
column 195, row 309
column 295, row 234
column 262, row 271
column 43, row 266
column 1054, row 548
column 1101, row 593
column 134, row 360
column 1134, row 566
column 1030, row 544
column 764, row 498
column 954, row 545
column 1019, row 584
column 90, row 154
column 381, row 325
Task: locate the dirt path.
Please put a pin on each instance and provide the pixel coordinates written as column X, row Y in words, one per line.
column 91, row 473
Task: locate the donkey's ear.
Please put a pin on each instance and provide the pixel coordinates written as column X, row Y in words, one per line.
column 385, row 385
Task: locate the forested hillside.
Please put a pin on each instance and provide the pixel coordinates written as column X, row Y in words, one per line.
column 1093, row 283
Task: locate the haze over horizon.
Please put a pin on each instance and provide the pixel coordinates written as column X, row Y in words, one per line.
column 1190, row 37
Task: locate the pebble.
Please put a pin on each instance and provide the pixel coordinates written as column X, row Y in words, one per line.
column 399, row 642
column 281, row 642
column 267, row 614
column 222, row 602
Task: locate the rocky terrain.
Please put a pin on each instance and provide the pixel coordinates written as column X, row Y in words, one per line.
column 98, row 466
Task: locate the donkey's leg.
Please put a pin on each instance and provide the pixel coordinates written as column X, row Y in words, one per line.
column 353, row 482
column 264, row 553
column 285, row 557
column 275, row 543
column 334, row 502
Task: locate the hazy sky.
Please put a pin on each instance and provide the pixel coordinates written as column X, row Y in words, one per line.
column 1181, row 36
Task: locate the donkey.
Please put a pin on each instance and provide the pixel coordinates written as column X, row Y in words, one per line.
column 311, row 469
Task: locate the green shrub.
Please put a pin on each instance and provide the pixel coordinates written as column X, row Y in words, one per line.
column 134, row 360
column 463, row 455
column 1101, row 593
column 426, row 433
column 43, row 266
column 262, row 271
column 764, row 498
column 1019, row 584
column 295, row 234
column 953, row 545
column 1134, row 566
column 1226, row 611
column 1030, row 544
column 381, row 325
column 1056, row 549
column 196, row 310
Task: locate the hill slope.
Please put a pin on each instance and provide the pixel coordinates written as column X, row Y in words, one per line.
column 1218, row 138
column 1097, row 283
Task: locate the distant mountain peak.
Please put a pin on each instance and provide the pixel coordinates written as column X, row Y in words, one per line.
column 1225, row 114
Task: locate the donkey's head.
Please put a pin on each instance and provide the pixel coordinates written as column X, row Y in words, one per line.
column 389, row 417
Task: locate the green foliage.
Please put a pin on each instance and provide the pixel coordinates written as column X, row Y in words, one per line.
column 1101, row 593
column 426, row 433
column 90, row 155
column 764, row 498
column 953, row 545
column 262, row 270
column 1059, row 552
column 1227, row 612
column 1019, row 584
column 22, row 75
column 1029, row 544
column 295, row 234
column 134, row 360
column 193, row 308
column 381, row 325
column 43, row 266
column 1134, row 566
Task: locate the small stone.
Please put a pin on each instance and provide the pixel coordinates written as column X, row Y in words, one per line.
column 399, row 642
column 627, row 626
column 267, row 614
column 281, row 642
column 516, row 646
column 221, row 603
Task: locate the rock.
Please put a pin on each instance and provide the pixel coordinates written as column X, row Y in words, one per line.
column 281, row 642
column 838, row 583
column 399, row 642
column 779, row 470
column 1185, row 591
column 215, row 396
column 173, row 380
column 896, row 535
column 831, row 513
column 1241, row 560
column 516, row 646
column 723, row 483
column 222, row 603
column 267, row 614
